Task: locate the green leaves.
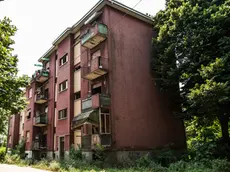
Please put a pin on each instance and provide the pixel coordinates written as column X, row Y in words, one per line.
column 192, row 49
column 11, row 86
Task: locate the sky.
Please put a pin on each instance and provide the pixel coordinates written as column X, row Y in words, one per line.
column 40, row 22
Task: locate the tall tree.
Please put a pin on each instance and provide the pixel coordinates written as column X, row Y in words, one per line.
column 192, row 50
column 11, row 86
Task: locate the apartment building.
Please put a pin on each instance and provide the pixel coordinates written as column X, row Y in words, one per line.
column 95, row 87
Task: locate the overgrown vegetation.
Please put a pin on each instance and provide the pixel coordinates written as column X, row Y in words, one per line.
column 191, row 65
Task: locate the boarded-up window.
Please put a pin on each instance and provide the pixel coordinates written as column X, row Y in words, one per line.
column 77, row 138
column 77, row 107
column 77, row 53
column 77, row 81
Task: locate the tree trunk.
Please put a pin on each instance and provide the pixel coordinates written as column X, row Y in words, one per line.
column 224, row 119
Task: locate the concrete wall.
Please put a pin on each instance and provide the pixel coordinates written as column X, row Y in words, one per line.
column 141, row 118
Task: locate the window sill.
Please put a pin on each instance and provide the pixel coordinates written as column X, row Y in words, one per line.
column 63, row 64
column 63, row 90
column 62, row 119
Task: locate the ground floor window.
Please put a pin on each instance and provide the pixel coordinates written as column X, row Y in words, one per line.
column 105, row 125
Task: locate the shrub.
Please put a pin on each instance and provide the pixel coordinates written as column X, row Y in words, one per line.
column 99, row 154
column 12, row 159
column 2, row 153
column 165, row 156
column 76, row 154
column 54, row 166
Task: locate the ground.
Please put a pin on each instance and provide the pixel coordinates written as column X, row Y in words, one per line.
column 14, row 168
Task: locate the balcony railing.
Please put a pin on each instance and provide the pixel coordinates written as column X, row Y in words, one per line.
column 38, row 145
column 41, row 98
column 41, row 120
column 94, row 35
column 40, row 76
column 98, row 67
column 96, row 101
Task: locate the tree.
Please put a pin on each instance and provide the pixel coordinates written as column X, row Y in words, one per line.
column 191, row 49
column 11, row 86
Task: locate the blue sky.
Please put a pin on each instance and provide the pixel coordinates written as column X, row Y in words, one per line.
column 39, row 23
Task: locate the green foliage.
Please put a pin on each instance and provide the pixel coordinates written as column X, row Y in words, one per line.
column 11, row 86
column 76, row 154
column 55, row 166
column 20, row 149
column 165, row 156
column 99, row 153
column 192, row 48
column 2, row 153
column 12, row 159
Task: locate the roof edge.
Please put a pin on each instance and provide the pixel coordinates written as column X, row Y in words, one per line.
column 95, row 8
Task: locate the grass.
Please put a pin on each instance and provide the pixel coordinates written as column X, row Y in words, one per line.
column 139, row 165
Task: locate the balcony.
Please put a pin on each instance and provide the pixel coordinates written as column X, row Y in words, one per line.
column 41, row 98
column 96, row 34
column 41, row 120
column 91, row 141
column 38, row 145
column 96, row 101
column 40, row 76
column 98, row 67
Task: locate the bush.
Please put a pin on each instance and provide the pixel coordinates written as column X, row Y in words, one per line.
column 76, row 154
column 165, row 156
column 209, row 151
column 2, row 153
column 12, row 159
column 54, row 166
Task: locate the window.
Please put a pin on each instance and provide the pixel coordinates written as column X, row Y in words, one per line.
column 28, row 115
column 62, row 114
column 96, row 90
column 27, row 136
column 63, row 60
column 77, row 95
column 63, row 86
column 30, row 93
column 105, row 122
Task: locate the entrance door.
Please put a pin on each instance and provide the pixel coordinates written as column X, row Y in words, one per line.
column 62, row 150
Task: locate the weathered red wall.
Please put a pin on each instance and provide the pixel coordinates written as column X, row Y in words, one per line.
column 64, row 98
column 51, row 102
column 14, row 130
column 140, row 118
column 28, row 124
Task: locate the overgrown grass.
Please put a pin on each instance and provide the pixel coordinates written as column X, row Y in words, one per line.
column 142, row 164
column 2, row 153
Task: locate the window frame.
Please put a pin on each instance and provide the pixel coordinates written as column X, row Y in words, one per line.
column 78, row 95
column 62, row 114
column 107, row 130
column 61, row 63
column 60, row 86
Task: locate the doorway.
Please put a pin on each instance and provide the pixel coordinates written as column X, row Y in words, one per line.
column 62, row 147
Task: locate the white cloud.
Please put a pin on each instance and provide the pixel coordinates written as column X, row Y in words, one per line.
column 39, row 22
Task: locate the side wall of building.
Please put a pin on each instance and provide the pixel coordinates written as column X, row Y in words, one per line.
column 141, row 118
